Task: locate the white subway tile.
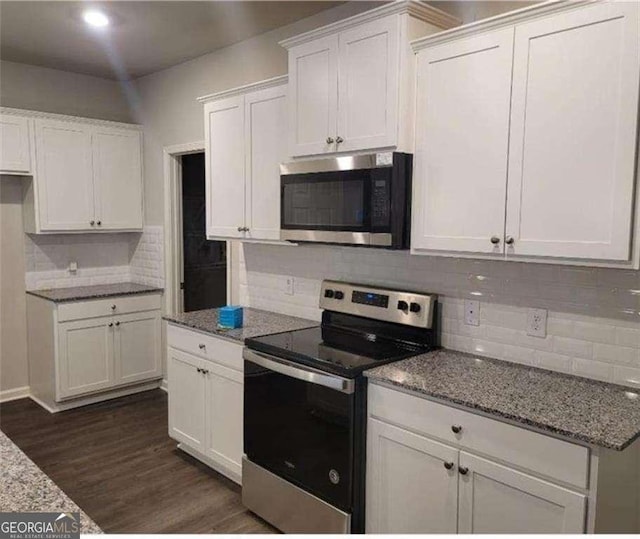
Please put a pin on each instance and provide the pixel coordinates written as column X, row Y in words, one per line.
column 627, row 376
column 628, row 337
column 593, row 369
column 620, row 355
column 554, row 362
column 573, row 347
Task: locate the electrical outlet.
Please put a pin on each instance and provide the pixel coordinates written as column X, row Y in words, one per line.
column 537, row 322
column 471, row 312
column 289, row 285
column 73, row 267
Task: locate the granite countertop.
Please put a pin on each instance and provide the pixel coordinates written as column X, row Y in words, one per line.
column 76, row 293
column 255, row 323
column 25, row 488
column 589, row 411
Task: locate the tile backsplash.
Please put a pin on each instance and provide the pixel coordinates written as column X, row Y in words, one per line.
column 101, row 259
column 593, row 326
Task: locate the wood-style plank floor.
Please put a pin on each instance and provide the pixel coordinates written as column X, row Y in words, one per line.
column 117, row 462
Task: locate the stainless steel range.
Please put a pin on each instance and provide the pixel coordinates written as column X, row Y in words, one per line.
column 305, row 405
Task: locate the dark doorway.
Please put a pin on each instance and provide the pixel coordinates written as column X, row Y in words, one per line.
column 205, row 262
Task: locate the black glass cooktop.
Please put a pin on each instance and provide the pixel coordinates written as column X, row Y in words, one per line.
column 335, row 350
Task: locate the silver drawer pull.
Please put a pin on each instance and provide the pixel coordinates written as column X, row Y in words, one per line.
column 202, row 346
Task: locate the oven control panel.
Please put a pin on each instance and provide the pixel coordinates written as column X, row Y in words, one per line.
column 402, row 307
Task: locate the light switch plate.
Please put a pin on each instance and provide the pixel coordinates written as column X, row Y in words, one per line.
column 471, row 312
column 537, row 322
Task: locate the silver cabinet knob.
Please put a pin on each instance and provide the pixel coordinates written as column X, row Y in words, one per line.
column 448, row 465
column 113, row 307
column 330, row 140
column 99, row 223
column 240, row 228
column 201, row 346
column 339, row 140
column 457, row 429
column 110, row 324
column 463, row 470
column 246, row 229
column 509, row 240
column 495, row 240
column 92, row 223
column 117, row 323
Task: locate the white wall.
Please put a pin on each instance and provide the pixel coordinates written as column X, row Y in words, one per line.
column 13, row 330
column 30, row 87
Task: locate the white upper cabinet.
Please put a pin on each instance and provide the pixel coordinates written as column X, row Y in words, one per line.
column 64, row 178
column 117, row 178
column 85, row 175
column 225, row 187
column 351, row 83
column 527, row 134
column 463, row 97
column 368, row 85
column 265, row 128
column 314, row 96
column 245, row 142
column 15, row 145
column 573, row 134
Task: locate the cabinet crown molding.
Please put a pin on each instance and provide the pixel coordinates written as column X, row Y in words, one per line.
column 500, row 21
column 25, row 113
column 240, row 90
column 415, row 8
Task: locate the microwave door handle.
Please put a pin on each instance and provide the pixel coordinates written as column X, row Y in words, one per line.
column 294, row 371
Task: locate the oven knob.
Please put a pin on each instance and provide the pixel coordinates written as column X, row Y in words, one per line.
column 414, row 307
column 403, row 305
column 328, row 293
column 339, row 294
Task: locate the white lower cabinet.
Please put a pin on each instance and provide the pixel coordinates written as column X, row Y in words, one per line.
column 90, row 350
column 417, row 484
column 497, row 499
column 187, row 401
column 409, row 489
column 85, row 356
column 205, row 376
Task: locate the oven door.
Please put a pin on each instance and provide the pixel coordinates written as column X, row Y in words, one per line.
column 299, row 425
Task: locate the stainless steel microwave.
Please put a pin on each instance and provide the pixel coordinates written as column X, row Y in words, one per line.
column 360, row 200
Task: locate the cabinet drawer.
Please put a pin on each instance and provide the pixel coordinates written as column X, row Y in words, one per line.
column 221, row 351
column 545, row 455
column 105, row 307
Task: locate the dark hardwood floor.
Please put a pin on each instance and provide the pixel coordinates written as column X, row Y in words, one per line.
column 117, row 462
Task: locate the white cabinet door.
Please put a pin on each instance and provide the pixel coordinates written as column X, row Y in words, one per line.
column 64, row 175
column 574, row 118
column 266, row 147
column 117, row 169
column 409, row 489
column 313, row 93
column 187, row 389
column 15, row 145
column 85, row 356
column 462, row 131
column 137, row 347
column 224, row 417
column 497, row 499
column 368, row 85
column 225, row 174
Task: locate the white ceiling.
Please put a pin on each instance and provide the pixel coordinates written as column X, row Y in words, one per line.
column 146, row 37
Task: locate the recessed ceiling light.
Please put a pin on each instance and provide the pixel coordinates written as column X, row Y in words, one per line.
column 95, row 18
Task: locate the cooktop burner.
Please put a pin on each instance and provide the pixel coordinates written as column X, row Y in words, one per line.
column 335, row 350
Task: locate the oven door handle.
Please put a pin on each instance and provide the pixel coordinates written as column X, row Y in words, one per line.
column 312, row 376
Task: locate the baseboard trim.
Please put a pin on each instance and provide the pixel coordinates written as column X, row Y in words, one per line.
column 92, row 399
column 164, row 385
column 14, row 394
